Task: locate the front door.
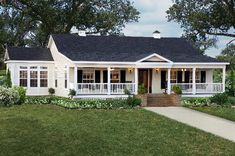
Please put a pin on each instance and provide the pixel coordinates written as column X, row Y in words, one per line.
column 145, row 79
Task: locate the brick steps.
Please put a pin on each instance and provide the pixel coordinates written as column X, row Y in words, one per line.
column 162, row 100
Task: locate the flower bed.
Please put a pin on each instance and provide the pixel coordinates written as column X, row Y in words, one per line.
column 130, row 102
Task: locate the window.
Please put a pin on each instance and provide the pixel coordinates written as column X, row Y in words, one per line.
column 43, row 68
column 43, row 78
column 115, row 76
column 23, row 78
column 65, row 79
column 197, row 77
column 56, row 81
column 88, row 76
column 173, row 76
column 33, row 67
column 33, row 78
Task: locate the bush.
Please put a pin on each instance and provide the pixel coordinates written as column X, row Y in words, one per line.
column 176, row 89
column 22, row 94
column 84, row 104
column 2, row 80
column 51, row 91
column 127, row 92
column 133, row 101
column 8, row 96
column 196, row 102
column 72, row 93
column 220, row 99
column 231, row 100
column 141, row 89
column 2, row 72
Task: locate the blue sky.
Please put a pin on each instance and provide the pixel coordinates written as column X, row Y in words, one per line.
column 153, row 17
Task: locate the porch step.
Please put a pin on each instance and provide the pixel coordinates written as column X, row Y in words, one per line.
column 162, row 100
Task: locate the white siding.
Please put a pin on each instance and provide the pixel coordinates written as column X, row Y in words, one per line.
column 15, row 70
column 60, row 63
column 156, row 82
column 209, row 76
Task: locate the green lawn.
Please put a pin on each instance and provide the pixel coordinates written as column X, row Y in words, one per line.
column 52, row 130
column 224, row 112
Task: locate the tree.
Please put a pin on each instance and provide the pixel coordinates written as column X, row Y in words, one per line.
column 228, row 55
column 8, row 79
column 204, row 20
column 24, row 22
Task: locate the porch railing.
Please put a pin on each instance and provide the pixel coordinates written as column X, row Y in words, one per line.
column 187, row 88
column 102, row 88
column 209, row 87
column 92, row 88
column 119, row 88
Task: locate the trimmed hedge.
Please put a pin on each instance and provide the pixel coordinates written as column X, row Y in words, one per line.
column 130, row 102
column 196, row 102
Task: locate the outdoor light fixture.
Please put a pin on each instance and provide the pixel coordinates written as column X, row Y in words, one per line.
column 130, row 70
column 157, row 70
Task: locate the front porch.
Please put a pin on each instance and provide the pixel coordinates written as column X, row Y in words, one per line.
column 113, row 81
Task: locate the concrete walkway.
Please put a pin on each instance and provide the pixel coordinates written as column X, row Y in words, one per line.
column 209, row 123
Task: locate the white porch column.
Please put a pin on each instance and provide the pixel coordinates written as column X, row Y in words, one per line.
column 169, row 81
column 109, row 83
column 224, row 77
column 136, row 81
column 75, row 77
column 194, row 81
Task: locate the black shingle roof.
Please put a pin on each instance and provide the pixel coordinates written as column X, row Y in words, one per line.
column 129, row 49
column 29, row 54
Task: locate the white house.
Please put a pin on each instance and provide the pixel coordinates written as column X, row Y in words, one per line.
column 103, row 66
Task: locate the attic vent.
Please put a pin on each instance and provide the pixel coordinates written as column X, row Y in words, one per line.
column 156, row 34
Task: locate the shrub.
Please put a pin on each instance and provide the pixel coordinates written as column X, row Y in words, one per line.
column 196, row 101
column 176, row 89
column 127, row 92
column 133, row 101
column 2, row 80
column 51, row 91
column 22, row 94
column 8, row 79
column 8, row 96
column 84, row 103
column 141, row 89
column 220, row 99
column 72, row 93
column 2, row 72
column 231, row 100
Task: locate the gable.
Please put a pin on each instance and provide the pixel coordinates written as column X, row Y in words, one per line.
column 154, row 59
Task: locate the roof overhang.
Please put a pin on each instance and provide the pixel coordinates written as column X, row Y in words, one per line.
column 26, row 61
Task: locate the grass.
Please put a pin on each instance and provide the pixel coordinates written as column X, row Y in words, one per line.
column 52, row 130
column 224, row 112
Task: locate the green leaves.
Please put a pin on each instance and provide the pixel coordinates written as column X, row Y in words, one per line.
column 200, row 19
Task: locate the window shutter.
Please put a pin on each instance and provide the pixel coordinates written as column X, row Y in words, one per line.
column 97, row 76
column 163, row 79
column 79, row 80
column 123, row 76
column 105, row 76
column 203, row 76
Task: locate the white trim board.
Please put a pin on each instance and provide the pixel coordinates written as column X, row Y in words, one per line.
column 156, row 55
